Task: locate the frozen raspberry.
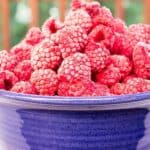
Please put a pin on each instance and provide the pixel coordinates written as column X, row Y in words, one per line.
column 8, row 78
column 136, row 85
column 22, row 51
column 118, row 88
column 78, row 87
column 104, row 17
column 79, row 18
column 23, row 87
column 121, row 62
column 98, row 55
column 7, row 61
column 71, row 40
column 46, row 55
column 136, row 33
column 109, row 76
column 92, row 8
column 141, row 60
column 51, row 26
column 45, row 81
column 23, row 70
column 75, row 66
column 101, row 34
column 34, row 36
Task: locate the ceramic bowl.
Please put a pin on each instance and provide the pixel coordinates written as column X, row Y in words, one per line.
column 30, row 122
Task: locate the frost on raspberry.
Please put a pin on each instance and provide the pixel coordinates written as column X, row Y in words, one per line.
column 46, row 55
column 9, row 78
column 22, row 51
column 121, row 62
column 45, row 81
column 71, row 40
column 23, row 70
column 7, row 61
column 141, row 60
column 51, row 26
column 24, row 87
column 109, row 76
column 118, row 88
column 75, row 66
column 98, row 55
column 34, row 36
column 101, row 34
column 79, row 18
column 135, row 34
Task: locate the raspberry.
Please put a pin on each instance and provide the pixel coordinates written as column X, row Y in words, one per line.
column 22, row 51
column 45, row 81
column 79, row 18
column 2, row 85
column 118, row 88
column 104, row 17
column 23, row 87
column 71, row 40
column 23, row 70
column 136, row 33
column 92, row 8
column 75, row 66
column 45, row 55
column 136, row 85
column 101, row 34
column 141, row 60
column 7, row 61
column 109, row 76
column 34, row 36
column 98, row 55
column 51, row 26
column 9, row 79
column 121, row 62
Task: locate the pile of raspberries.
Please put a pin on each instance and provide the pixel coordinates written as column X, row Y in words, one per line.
column 91, row 53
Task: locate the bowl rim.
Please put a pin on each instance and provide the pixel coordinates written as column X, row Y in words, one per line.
column 139, row 100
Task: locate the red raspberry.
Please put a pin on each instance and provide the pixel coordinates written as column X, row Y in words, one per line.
column 101, row 34
column 7, row 61
column 45, row 81
column 51, row 26
column 34, row 36
column 46, row 55
column 23, row 87
column 98, row 55
column 81, row 87
column 22, row 51
column 141, row 60
column 79, row 18
column 136, row 33
column 71, row 40
column 104, row 17
column 118, row 88
column 75, row 66
column 121, row 62
column 109, row 76
column 8, row 78
column 2, row 85
column 93, row 8
column 136, row 85
column 23, row 70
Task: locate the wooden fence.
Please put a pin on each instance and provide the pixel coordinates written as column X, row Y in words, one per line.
column 33, row 4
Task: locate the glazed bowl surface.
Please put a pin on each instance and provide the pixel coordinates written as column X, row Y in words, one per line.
column 30, row 122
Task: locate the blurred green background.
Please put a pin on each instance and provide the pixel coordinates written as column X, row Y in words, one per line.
column 20, row 15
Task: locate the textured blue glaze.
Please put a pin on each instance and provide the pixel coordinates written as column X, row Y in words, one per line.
column 26, row 124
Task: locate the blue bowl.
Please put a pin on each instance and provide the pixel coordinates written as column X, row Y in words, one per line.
column 30, row 122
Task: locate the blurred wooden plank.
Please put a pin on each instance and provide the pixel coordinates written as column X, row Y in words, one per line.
column 33, row 4
column 146, row 11
column 5, row 14
column 62, row 9
column 119, row 9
